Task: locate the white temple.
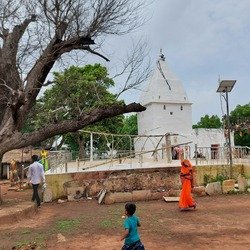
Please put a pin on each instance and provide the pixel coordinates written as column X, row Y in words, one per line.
column 169, row 113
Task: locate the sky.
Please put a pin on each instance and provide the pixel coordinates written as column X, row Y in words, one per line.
column 202, row 40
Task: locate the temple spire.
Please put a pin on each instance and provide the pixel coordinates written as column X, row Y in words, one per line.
column 162, row 57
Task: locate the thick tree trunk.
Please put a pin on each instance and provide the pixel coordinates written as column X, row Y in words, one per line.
column 1, row 173
column 81, row 146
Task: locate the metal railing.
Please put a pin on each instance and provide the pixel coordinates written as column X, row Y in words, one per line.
column 220, row 155
column 66, row 161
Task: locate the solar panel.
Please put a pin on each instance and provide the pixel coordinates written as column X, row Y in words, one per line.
column 226, row 85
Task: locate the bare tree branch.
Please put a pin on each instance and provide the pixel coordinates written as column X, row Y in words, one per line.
column 96, row 53
column 136, row 68
column 6, row 86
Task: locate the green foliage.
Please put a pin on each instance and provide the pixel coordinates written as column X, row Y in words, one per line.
column 218, row 178
column 76, row 91
column 242, row 135
column 116, row 125
column 239, row 112
column 129, row 128
column 242, row 138
column 130, row 125
column 80, row 89
column 207, row 179
column 209, row 122
column 111, row 125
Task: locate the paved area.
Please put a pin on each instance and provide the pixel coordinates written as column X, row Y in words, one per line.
column 133, row 163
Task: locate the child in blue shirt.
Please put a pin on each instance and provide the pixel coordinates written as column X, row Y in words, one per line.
column 131, row 236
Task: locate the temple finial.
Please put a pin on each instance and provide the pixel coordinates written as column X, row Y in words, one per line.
column 162, row 57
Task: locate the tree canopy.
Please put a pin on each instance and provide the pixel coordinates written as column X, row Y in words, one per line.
column 75, row 91
column 37, row 35
column 240, row 122
column 209, row 122
column 130, row 125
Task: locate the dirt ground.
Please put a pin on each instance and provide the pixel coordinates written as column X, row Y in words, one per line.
column 219, row 222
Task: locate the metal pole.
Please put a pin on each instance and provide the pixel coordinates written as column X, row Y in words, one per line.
column 91, row 147
column 229, row 138
column 130, row 150
column 168, row 148
column 196, row 154
column 112, row 149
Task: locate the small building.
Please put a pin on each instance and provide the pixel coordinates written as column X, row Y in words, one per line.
column 167, row 121
column 22, row 157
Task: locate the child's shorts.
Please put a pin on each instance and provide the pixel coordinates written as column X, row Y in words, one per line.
column 135, row 246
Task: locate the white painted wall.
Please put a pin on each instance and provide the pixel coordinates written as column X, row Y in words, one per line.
column 204, row 138
column 162, row 118
column 169, row 111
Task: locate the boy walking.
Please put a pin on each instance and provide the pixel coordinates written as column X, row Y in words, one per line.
column 131, row 236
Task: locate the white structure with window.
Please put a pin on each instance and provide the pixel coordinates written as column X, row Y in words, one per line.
column 169, row 112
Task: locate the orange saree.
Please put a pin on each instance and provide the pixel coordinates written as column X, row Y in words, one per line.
column 186, row 200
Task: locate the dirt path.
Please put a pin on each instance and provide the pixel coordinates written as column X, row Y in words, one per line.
column 220, row 222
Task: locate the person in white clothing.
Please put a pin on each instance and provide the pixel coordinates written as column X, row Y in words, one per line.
column 36, row 176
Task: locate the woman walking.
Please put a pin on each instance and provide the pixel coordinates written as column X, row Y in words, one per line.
column 186, row 200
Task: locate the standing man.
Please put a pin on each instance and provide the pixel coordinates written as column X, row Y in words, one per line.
column 35, row 176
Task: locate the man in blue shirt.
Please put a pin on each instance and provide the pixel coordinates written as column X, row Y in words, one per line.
column 35, row 176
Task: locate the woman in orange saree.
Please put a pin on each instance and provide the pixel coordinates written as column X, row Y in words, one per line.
column 186, row 200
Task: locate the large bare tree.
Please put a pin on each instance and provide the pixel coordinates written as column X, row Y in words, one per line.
column 36, row 34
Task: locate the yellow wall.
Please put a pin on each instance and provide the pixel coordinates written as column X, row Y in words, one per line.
column 215, row 170
column 247, row 171
column 55, row 183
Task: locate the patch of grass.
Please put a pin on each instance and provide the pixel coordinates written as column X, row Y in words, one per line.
column 67, row 225
column 22, row 243
column 111, row 223
column 113, row 217
column 26, row 231
column 38, row 239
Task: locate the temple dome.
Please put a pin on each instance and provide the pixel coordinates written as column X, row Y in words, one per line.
column 163, row 86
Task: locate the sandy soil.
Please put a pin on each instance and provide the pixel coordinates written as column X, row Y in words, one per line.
column 220, row 222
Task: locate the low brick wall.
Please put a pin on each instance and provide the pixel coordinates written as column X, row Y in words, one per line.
column 115, row 181
column 162, row 179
